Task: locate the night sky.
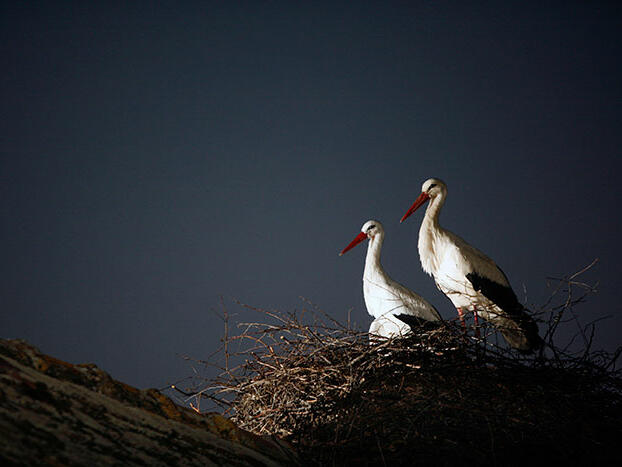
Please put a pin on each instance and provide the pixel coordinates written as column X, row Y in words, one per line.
column 157, row 156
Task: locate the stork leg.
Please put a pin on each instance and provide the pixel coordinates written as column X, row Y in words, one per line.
column 461, row 317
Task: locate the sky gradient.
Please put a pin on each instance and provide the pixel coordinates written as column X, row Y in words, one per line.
column 156, row 157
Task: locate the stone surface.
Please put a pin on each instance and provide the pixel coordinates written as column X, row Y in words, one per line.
column 56, row 413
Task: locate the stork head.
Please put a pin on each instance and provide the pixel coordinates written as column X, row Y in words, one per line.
column 371, row 229
column 430, row 189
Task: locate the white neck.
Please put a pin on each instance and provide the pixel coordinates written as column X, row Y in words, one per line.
column 429, row 233
column 372, row 260
column 434, row 209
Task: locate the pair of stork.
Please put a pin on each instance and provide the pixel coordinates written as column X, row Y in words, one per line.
column 469, row 278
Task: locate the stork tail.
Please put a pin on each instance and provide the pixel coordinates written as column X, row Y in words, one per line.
column 521, row 332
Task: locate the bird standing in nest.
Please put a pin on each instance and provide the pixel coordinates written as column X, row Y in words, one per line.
column 394, row 307
column 469, row 278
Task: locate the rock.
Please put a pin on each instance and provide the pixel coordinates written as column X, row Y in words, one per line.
column 56, row 413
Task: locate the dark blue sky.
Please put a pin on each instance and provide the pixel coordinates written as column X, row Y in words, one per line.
column 158, row 155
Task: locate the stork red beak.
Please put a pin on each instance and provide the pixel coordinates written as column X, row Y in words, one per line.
column 423, row 197
column 358, row 239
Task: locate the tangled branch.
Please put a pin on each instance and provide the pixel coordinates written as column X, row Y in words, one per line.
column 337, row 395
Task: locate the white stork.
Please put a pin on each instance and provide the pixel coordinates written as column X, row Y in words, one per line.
column 469, row 278
column 393, row 306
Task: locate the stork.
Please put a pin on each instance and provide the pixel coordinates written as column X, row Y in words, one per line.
column 469, row 278
column 394, row 307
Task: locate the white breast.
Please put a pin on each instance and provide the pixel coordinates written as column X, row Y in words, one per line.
column 448, row 258
column 380, row 298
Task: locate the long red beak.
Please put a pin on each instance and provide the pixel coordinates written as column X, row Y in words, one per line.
column 423, row 197
column 358, row 239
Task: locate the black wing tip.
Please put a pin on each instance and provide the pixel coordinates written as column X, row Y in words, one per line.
column 534, row 344
column 417, row 322
column 530, row 341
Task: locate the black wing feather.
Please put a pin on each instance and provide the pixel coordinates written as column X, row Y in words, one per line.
column 415, row 322
column 505, row 298
column 501, row 295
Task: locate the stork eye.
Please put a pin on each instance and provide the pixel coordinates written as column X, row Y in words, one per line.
column 373, row 226
column 432, row 186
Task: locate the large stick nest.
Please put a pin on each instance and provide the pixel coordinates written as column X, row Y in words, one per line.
column 437, row 398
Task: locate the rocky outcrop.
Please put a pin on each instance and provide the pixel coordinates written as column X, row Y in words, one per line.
column 56, row 413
